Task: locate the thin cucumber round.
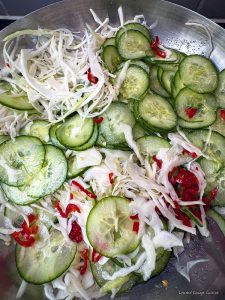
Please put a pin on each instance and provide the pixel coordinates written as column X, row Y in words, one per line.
column 174, row 58
column 73, row 170
column 110, row 129
column 138, row 131
column 219, row 183
column 20, row 159
column 157, row 112
column 219, row 124
column 53, row 138
column 45, row 182
column 132, row 44
column 134, row 26
column 167, row 78
column 136, row 83
column 150, row 145
column 177, row 85
column 220, row 91
column 155, row 84
column 204, row 104
column 161, row 263
column 110, row 229
column 91, row 142
column 43, row 263
column 109, row 42
column 38, row 128
column 75, row 131
column 199, row 74
column 218, row 219
column 111, row 58
column 215, row 143
column 4, row 138
column 15, row 101
column 141, row 64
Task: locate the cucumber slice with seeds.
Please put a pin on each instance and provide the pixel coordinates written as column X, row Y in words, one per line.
column 110, row 229
column 20, row 159
column 38, row 128
column 43, row 263
column 91, row 142
column 45, row 182
column 134, row 26
column 204, row 103
column 111, row 58
column 132, row 44
column 199, row 74
column 150, row 145
column 136, row 83
column 75, row 131
column 157, row 112
column 110, row 129
column 220, row 91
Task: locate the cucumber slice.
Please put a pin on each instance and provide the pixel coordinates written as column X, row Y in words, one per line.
column 138, row 131
column 157, row 112
column 173, row 58
column 192, row 216
column 161, row 263
column 136, row 83
column 204, row 103
column 110, row 229
column 133, row 44
column 219, row 124
column 215, row 144
column 4, row 138
column 218, row 219
column 177, row 85
column 47, row 181
column 110, row 129
column 150, row 145
column 20, row 159
column 91, row 142
column 39, row 129
column 111, row 58
column 199, row 74
column 219, row 182
column 122, row 284
column 134, row 26
column 220, row 91
column 73, row 170
column 75, row 131
column 167, row 78
column 43, row 263
column 192, row 125
column 53, row 138
column 155, row 84
column 18, row 102
column 109, row 42
column 141, row 64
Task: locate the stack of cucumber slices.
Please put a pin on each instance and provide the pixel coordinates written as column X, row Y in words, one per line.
column 158, row 94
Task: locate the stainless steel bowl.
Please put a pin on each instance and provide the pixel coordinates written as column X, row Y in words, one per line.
column 207, row 279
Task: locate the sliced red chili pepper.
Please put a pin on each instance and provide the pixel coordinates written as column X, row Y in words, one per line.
column 222, row 114
column 160, row 53
column 111, row 175
column 190, row 112
column 158, row 161
column 7, row 65
column 59, row 208
column 136, row 227
column 134, row 217
column 71, row 196
column 192, row 154
column 76, row 233
column 155, row 43
column 22, row 240
column 84, row 256
column 70, row 208
column 88, row 193
column 98, row 120
column 95, row 257
column 91, row 77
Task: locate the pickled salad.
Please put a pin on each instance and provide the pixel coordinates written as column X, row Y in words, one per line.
column 111, row 153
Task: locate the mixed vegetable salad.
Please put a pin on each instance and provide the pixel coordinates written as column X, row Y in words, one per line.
column 112, row 151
